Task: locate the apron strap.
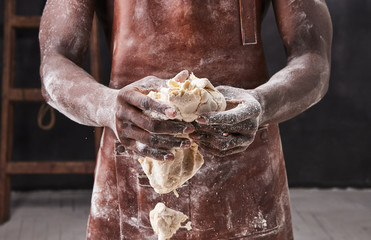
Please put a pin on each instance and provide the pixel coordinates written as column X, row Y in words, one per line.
column 248, row 21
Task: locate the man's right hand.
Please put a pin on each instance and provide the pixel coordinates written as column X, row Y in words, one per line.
column 142, row 134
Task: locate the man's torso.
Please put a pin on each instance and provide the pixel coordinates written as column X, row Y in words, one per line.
column 229, row 198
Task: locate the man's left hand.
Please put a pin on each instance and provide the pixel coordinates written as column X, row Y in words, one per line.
column 230, row 131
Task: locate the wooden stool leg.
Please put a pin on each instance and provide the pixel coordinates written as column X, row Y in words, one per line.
column 4, row 198
column 5, row 156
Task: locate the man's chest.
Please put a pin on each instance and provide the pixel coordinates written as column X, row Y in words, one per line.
column 191, row 17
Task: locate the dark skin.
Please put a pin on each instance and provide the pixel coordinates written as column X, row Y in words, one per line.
column 135, row 126
column 254, row 99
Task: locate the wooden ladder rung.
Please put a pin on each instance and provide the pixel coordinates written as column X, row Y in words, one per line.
column 22, row 94
column 68, row 167
column 25, row 21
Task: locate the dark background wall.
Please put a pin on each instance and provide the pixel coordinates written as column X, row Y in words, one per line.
column 327, row 146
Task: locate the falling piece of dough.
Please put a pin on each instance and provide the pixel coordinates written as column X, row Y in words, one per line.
column 190, row 98
column 166, row 221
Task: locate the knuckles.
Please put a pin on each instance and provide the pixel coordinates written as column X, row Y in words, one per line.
column 124, row 94
column 144, row 103
column 121, row 129
column 120, row 114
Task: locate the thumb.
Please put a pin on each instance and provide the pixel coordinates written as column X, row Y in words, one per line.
column 182, row 76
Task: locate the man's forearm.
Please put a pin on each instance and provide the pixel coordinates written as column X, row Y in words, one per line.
column 73, row 92
column 298, row 86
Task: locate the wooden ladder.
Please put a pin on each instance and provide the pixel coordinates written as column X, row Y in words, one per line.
column 10, row 94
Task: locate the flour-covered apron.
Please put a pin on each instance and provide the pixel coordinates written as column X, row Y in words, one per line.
column 242, row 196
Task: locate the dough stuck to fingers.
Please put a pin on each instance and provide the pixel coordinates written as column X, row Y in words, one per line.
column 190, row 98
column 166, row 221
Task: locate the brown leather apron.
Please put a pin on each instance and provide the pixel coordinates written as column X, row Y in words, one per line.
column 243, row 196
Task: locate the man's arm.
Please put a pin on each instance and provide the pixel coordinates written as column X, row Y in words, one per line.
column 64, row 36
column 306, row 31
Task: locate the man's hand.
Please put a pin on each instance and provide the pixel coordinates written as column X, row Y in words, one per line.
column 142, row 134
column 231, row 131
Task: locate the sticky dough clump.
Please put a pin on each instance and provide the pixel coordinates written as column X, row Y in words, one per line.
column 191, row 98
column 166, row 221
column 167, row 176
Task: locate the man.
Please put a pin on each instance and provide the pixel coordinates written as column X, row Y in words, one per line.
column 241, row 191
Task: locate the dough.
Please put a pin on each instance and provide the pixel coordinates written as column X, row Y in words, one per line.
column 191, row 98
column 166, row 221
column 167, row 176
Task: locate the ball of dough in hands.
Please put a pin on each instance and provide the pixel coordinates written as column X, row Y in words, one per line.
column 190, row 98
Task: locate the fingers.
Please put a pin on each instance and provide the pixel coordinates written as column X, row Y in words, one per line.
column 134, row 129
column 147, row 151
column 182, row 76
column 241, row 105
column 135, row 98
column 238, row 114
column 136, row 116
column 223, row 143
column 219, row 153
column 245, row 127
column 153, row 140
